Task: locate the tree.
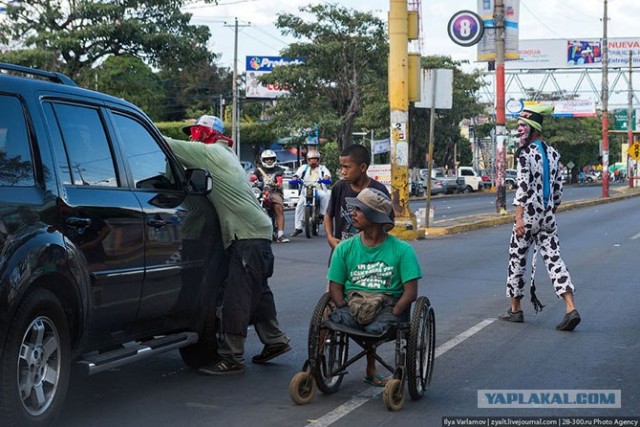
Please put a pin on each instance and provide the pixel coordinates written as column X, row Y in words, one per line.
column 447, row 122
column 131, row 79
column 345, row 59
column 576, row 138
column 195, row 90
column 83, row 33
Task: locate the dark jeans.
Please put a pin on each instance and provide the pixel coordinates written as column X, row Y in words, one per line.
column 247, row 297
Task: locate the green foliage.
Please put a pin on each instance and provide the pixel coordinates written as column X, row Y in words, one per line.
column 194, row 90
column 85, row 32
column 129, row 78
column 331, row 158
column 35, row 58
column 345, row 63
column 447, row 137
column 258, row 135
column 576, row 139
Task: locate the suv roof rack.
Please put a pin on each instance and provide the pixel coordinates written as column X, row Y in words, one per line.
column 49, row 75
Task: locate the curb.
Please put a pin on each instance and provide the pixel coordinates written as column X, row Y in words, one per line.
column 476, row 222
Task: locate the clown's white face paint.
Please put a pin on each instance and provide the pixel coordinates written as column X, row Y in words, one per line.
column 524, row 132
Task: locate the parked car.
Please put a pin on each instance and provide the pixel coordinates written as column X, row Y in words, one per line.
column 472, row 178
column 449, row 182
column 111, row 251
column 437, row 187
column 510, row 179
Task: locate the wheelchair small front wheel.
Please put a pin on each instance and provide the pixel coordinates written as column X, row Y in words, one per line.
column 302, row 388
column 392, row 396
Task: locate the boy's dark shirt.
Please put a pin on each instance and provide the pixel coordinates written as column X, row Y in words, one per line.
column 337, row 208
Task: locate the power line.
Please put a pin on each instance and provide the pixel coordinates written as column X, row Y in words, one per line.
column 218, row 3
column 540, row 21
column 265, row 32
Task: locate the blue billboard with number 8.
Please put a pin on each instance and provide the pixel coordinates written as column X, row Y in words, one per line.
column 465, row 28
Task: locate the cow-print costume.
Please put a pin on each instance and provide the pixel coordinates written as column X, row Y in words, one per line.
column 539, row 221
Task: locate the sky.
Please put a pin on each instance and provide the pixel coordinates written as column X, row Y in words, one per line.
column 539, row 19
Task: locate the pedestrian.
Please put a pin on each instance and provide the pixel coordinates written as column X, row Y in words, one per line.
column 354, row 162
column 537, row 198
column 311, row 174
column 247, row 236
column 373, row 276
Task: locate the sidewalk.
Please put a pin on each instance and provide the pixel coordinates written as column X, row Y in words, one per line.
column 475, row 222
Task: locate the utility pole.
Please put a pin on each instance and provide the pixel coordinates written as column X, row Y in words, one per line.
column 399, row 98
column 235, row 125
column 605, row 106
column 501, row 146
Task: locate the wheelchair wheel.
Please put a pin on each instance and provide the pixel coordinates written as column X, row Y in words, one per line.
column 392, row 395
column 327, row 348
column 302, row 388
column 421, row 348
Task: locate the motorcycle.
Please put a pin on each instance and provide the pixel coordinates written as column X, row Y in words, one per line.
column 312, row 217
column 416, row 188
column 263, row 195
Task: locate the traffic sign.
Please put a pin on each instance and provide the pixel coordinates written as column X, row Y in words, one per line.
column 465, row 28
column 634, row 151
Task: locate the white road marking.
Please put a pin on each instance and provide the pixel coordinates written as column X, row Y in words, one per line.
column 637, row 236
column 362, row 398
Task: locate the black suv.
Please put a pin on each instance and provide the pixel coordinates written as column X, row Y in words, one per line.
column 110, row 250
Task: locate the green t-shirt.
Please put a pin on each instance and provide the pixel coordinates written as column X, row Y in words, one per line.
column 241, row 217
column 382, row 269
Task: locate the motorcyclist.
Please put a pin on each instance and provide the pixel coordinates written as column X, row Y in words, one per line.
column 271, row 174
column 311, row 173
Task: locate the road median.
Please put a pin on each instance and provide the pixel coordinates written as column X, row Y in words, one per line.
column 475, row 222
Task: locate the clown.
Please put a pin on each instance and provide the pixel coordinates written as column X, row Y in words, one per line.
column 538, row 195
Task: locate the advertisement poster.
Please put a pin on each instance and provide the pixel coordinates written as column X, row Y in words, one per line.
column 259, row 65
column 487, row 45
column 563, row 108
column 575, row 53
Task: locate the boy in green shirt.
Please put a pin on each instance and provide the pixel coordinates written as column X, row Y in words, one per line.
column 374, row 264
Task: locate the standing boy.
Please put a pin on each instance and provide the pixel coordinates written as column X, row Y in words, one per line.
column 354, row 162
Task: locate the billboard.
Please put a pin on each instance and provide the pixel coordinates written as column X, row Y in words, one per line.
column 259, row 65
column 487, row 45
column 562, row 108
column 575, row 53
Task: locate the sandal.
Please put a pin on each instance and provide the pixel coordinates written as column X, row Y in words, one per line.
column 270, row 352
column 375, row 380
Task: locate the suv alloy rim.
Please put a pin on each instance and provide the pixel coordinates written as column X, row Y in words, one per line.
column 38, row 366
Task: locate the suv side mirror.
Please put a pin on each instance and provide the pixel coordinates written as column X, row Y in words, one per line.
column 198, row 181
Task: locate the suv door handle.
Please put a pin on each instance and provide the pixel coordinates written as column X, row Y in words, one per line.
column 156, row 223
column 78, row 222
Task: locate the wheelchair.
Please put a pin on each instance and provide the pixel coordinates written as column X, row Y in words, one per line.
column 328, row 349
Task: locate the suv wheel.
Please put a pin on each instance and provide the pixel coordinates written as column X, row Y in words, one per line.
column 34, row 371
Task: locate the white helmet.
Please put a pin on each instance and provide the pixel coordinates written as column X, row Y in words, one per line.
column 268, row 159
column 313, row 154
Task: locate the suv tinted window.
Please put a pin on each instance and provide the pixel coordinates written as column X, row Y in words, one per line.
column 87, row 146
column 16, row 166
column 147, row 162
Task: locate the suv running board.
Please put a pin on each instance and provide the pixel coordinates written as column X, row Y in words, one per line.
column 134, row 351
